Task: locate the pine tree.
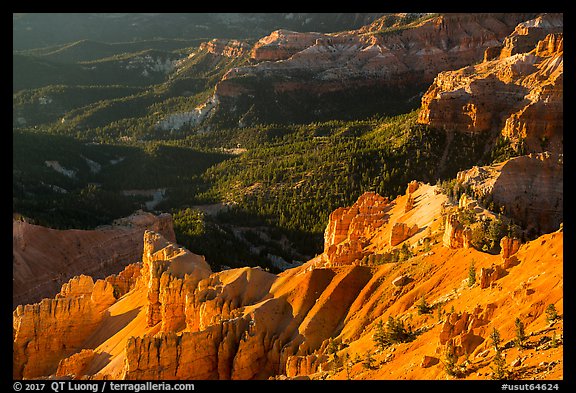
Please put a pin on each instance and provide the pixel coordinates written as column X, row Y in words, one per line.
column 499, row 366
column 380, row 336
column 520, row 334
column 439, row 312
column 423, row 306
column 347, row 365
column 471, row 274
column 495, row 337
column 368, row 360
column 332, row 347
column 551, row 313
column 450, row 360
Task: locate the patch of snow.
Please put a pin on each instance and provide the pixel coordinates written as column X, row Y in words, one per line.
column 60, row 169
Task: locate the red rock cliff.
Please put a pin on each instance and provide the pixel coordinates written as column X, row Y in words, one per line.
column 407, row 58
column 519, row 94
column 45, row 258
column 48, row 331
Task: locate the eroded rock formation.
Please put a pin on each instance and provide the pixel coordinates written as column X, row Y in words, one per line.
column 517, row 90
column 453, row 232
column 178, row 320
column 509, row 246
column 530, row 188
column 166, row 270
column 46, row 332
column 316, row 68
column 348, row 229
column 227, row 48
column 526, row 35
column 400, row 232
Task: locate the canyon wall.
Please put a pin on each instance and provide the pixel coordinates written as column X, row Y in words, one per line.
column 227, row 48
column 369, row 64
column 170, row 317
column 530, row 188
column 517, row 90
column 46, row 332
column 44, row 258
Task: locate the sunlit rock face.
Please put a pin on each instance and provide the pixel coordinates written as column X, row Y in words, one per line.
column 317, row 68
column 45, row 258
column 517, row 91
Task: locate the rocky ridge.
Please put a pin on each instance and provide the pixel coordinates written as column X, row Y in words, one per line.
column 517, row 90
column 227, row 48
column 529, row 188
column 404, row 60
column 182, row 321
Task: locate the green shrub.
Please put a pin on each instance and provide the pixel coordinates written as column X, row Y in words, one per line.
column 551, row 313
column 471, row 274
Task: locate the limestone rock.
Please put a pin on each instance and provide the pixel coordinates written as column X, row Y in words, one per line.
column 167, row 269
column 221, row 296
column 247, row 323
column 64, row 322
column 76, row 364
column 282, row 44
column 173, row 356
column 301, row 365
column 319, row 67
column 77, row 286
column 453, row 232
column 529, row 187
column 227, row 48
column 409, row 203
column 348, row 228
column 517, row 91
column 126, row 280
column 490, row 275
column 509, row 246
column 412, row 186
column 44, row 258
column 324, row 317
column 458, row 330
column 526, row 35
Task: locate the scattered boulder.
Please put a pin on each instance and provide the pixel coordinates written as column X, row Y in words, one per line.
column 429, row 361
